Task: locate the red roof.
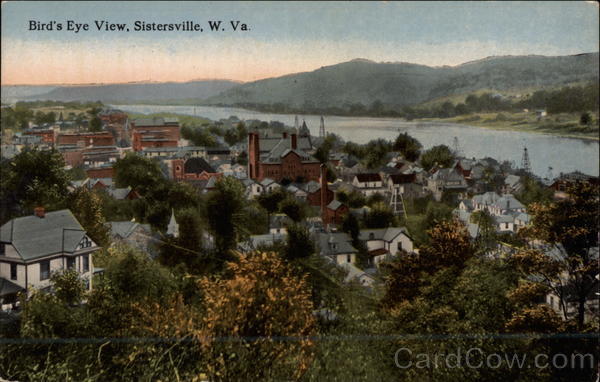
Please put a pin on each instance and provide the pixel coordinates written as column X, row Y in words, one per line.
column 368, row 178
column 378, row 252
column 403, row 178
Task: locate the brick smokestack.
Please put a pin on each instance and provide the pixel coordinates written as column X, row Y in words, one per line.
column 294, row 141
column 253, row 155
column 323, row 192
column 285, row 135
column 40, row 212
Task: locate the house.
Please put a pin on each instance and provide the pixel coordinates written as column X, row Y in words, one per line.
column 383, row 243
column 253, row 188
column 353, row 273
column 297, row 192
column 255, row 242
column 269, row 185
column 506, row 204
column 278, row 223
column 368, row 184
column 33, row 247
column 335, row 213
column 337, row 246
column 446, row 180
column 512, row 184
column 134, row 234
column 126, row 193
column 313, row 193
column 285, row 159
column 563, row 181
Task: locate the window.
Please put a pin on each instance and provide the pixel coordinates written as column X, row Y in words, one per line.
column 45, row 270
column 13, row 271
column 349, row 258
column 2, row 249
column 86, row 242
column 371, row 236
column 86, row 262
column 399, row 246
column 70, row 263
column 506, row 225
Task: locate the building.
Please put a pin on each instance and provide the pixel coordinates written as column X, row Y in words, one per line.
column 383, row 243
column 154, row 132
column 286, row 159
column 135, row 235
column 81, row 140
column 337, row 246
column 33, row 247
column 368, row 184
column 335, row 213
column 446, row 180
column 47, row 135
column 192, row 168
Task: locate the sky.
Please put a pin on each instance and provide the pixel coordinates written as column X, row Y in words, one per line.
column 282, row 37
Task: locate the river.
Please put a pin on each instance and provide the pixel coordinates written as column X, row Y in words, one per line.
column 545, row 151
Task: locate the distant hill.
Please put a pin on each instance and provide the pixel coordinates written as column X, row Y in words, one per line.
column 134, row 92
column 11, row 93
column 401, row 84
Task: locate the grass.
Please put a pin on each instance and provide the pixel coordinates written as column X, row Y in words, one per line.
column 564, row 124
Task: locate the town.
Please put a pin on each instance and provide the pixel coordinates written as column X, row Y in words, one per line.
column 87, row 196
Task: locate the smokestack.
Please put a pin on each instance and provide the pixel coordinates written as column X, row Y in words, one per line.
column 40, row 212
column 285, row 135
column 256, row 155
column 294, row 141
column 323, row 192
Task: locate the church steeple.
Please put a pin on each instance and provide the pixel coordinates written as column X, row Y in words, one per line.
column 173, row 227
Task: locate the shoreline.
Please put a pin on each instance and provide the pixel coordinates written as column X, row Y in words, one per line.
column 495, row 125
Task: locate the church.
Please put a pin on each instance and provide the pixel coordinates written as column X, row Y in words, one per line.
column 284, row 156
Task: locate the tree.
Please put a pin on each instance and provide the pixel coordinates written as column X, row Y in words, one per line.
column 68, row 286
column 270, row 200
column 262, row 300
column 486, row 229
column 570, row 228
column 440, row 155
column 351, row 226
column 95, row 124
column 299, row 245
column 585, row 119
column 380, row 216
column 137, row 172
column 292, row 208
column 225, row 215
column 32, row 178
column 87, row 207
column 408, row 146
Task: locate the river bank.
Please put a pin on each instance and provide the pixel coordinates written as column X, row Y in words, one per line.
column 560, row 125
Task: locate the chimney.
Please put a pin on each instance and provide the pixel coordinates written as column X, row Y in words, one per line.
column 323, row 192
column 40, row 212
column 294, row 141
column 285, row 135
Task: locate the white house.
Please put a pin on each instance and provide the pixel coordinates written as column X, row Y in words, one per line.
column 385, row 242
column 269, row 185
column 337, row 246
column 368, row 184
column 33, row 247
column 253, row 188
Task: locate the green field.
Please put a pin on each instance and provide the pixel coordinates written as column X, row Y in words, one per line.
column 564, row 124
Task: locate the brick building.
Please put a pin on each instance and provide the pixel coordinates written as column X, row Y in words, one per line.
column 86, row 139
column 285, row 160
column 47, row 135
column 154, row 132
